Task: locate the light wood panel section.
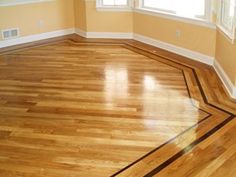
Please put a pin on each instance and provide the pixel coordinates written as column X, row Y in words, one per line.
column 79, row 107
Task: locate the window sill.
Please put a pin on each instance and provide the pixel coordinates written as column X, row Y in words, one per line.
column 115, row 9
column 167, row 15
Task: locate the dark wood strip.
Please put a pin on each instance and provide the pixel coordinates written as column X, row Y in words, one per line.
column 189, row 147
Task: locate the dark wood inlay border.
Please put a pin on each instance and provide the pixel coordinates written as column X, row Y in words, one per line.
column 189, row 147
column 196, row 142
column 147, row 53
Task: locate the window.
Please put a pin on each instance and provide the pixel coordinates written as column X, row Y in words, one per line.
column 227, row 17
column 114, row 4
column 185, row 8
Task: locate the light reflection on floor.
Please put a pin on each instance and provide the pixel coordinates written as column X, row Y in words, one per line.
column 157, row 102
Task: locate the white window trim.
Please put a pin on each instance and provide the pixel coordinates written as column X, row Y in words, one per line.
column 231, row 35
column 101, row 7
column 207, row 17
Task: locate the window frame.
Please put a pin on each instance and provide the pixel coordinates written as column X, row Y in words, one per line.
column 136, row 6
column 207, row 17
column 101, row 6
column 230, row 33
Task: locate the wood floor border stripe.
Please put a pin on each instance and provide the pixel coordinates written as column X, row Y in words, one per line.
column 189, row 147
column 196, row 142
column 194, row 73
column 159, row 147
column 172, row 139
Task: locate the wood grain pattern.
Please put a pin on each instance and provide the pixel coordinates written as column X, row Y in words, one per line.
column 79, row 107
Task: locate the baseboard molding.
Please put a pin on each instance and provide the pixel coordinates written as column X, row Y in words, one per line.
column 107, row 35
column 175, row 49
column 36, row 37
column 81, row 32
column 104, row 35
column 231, row 89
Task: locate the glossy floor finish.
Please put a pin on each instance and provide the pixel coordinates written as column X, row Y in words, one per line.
column 81, row 107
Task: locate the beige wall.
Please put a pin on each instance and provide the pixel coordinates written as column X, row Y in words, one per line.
column 80, row 14
column 226, row 55
column 194, row 37
column 89, row 19
column 56, row 15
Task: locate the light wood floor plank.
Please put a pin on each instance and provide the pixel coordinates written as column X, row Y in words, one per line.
column 79, row 107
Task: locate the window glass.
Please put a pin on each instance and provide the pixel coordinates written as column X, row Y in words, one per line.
column 114, row 2
column 227, row 14
column 186, row 8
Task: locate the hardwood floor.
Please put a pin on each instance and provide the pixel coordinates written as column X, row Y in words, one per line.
column 82, row 107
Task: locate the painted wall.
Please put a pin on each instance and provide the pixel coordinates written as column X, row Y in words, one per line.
column 194, row 37
column 80, row 14
column 102, row 21
column 55, row 15
column 226, row 55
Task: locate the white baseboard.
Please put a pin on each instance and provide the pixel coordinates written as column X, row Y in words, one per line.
column 104, row 35
column 231, row 89
column 175, row 49
column 109, row 35
column 81, row 32
column 36, row 37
